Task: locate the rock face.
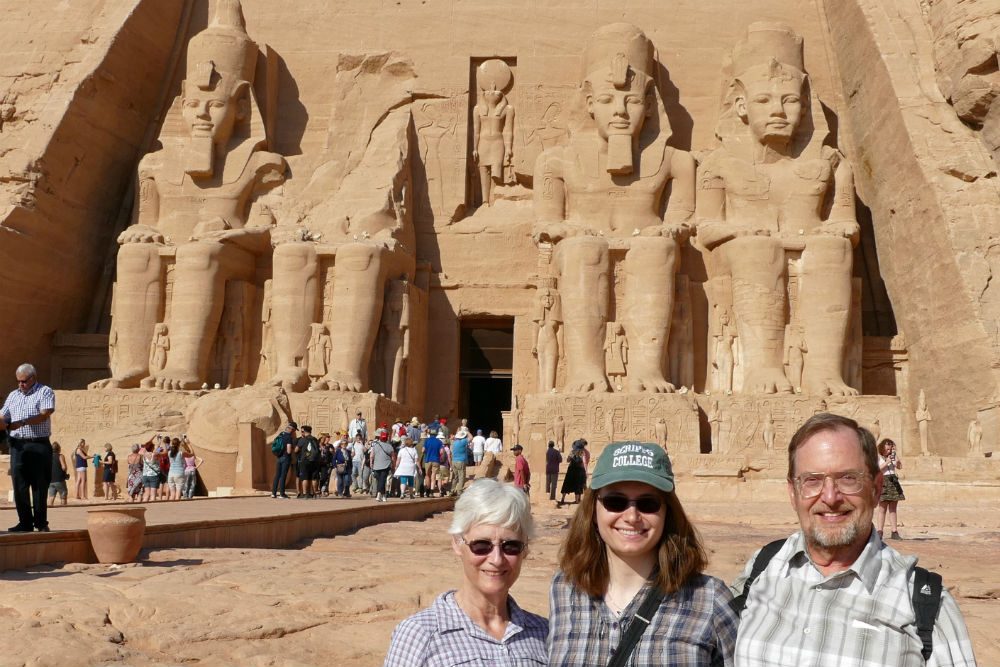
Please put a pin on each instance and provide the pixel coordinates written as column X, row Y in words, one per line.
column 547, row 212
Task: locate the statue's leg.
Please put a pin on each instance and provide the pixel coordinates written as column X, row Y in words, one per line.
column 583, row 287
column 758, row 268
column 649, row 304
column 485, row 184
column 202, row 269
column 137, row 303
column 825, row 304
column 294, row 305
column 358, row 295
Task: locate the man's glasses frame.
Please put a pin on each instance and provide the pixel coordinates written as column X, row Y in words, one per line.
column 849, row 482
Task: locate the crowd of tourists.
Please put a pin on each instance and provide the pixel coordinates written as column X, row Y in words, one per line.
column 162, row 468
column 631, row 588
column 400, row 460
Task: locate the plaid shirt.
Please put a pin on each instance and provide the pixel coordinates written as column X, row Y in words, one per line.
column 861, row 617
column 20, row 406
column 443, row 636
column 694, row 626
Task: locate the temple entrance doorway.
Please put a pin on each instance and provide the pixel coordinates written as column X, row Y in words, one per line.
column 485, row 365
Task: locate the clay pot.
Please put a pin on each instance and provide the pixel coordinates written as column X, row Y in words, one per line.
column 116, row 532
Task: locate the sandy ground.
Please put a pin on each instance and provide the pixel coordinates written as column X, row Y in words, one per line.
column 336, row 601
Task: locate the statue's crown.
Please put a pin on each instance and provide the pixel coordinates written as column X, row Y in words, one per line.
column 493, row 74
column 616, row 49
column 223, row 48
column 767, row 42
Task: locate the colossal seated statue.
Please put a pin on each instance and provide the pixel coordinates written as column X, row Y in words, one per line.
column 605, row 190
column 193, row 201
column 771, row 193
column 353, row 265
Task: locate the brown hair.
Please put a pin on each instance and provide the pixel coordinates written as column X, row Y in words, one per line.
column 584, row 560
column 883, row 446
column 825, row 421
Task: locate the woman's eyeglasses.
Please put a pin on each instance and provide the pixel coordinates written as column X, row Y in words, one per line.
column 616, row 502
column 485, row 547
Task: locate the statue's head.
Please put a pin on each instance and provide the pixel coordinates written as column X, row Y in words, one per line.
column 771, row 84
column 493, row 78
column 216, row 93
column 618, row 82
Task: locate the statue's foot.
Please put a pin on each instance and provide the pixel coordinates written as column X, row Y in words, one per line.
column 344, row 382
column 319, row 384
column 175, row 379
column 127, row 380
column 655, row 385
column 290, row 378
column 826, row 384
column 583, row 383
column 766, row 381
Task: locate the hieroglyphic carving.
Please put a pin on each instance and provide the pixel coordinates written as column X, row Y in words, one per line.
column 442, row 195
column 88, row 411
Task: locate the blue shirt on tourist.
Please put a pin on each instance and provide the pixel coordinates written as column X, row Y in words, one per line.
column 460, row 450
column 432, row 450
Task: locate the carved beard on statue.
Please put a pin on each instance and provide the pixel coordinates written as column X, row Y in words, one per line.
column 199, row 157
column 620, row 154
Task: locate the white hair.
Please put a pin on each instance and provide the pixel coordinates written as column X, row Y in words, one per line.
column 26, row 369
column 491, row 502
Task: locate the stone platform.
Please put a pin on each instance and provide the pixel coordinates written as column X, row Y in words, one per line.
column 250, row 522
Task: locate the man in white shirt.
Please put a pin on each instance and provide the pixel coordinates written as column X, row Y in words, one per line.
column 358, row 425
column 478, row 447
column 834, row 594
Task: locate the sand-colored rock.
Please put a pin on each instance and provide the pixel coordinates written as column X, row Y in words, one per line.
column 343, row 596
column 352, row 189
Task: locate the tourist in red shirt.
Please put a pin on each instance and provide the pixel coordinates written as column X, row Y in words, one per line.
column 522, row 473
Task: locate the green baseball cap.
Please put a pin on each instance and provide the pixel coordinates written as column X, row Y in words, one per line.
column 633, row 461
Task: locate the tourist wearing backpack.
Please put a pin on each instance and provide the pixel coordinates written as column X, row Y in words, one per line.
column 282, row 449
column 834, row 593
column 307, row 451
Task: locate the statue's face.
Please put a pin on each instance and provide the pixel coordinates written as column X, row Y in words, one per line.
column 615, row 111
column 772, row 107
column 493, row 96
column 211, row 113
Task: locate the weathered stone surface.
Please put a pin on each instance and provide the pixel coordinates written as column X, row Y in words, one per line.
column 396, row 187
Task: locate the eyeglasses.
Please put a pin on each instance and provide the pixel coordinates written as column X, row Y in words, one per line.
column 28, row 381
column 850, row 483
column 616, row 502
column 485, row 547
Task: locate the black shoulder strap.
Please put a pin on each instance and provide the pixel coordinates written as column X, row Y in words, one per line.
column 759, row 564
column 640, row 621
column 926, row 603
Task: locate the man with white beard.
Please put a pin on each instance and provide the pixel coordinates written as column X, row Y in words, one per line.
column 834, row 594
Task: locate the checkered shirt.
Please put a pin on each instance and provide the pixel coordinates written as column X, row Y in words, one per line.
column 861, row 617
column 20, row 406
column 443, row 636
column 692, row 627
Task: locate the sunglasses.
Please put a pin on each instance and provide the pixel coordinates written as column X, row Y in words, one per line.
column 485, row 547
column 616, row 503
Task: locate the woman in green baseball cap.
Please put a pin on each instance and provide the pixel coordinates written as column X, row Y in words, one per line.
column 631, row 581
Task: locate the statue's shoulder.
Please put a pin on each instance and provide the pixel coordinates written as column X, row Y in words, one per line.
column 151, row 163
column 714, row 166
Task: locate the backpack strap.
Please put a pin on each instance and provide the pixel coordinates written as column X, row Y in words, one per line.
column 927, row 587
column 640, row 621
column 764, row 557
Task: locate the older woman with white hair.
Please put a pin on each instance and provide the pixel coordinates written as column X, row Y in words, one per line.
column 479, row 624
